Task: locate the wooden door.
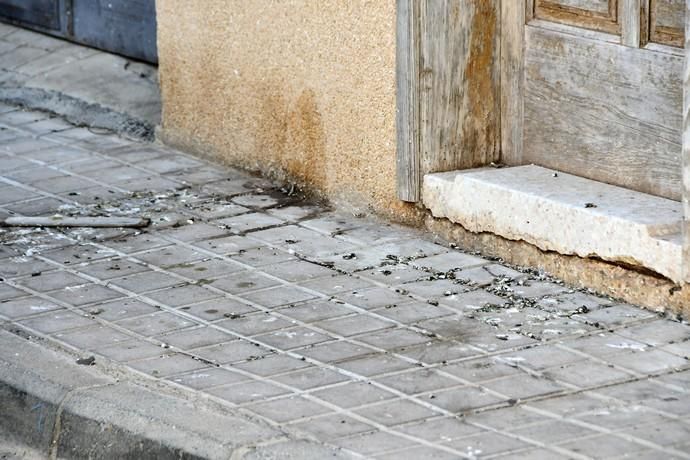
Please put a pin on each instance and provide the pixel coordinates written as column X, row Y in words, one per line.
column 594, row 88
column 126, row 27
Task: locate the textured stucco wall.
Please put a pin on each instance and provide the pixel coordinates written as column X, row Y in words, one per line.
column 300, row 87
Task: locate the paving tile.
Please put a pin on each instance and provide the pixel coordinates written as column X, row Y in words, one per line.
column 648, row 362
column 26, row 306
column 262, row 256
column 167, row 364
column 602, row 447
column 587, row 374
column 395, row 412
column 194, row 337
column 247, row 392
column 293, row 213
column 155, row 324
column 137, row 243
column 468, row 302
column 93, row 337
column 56, row 322
column 209, row 377
column 228, row 245
column 657, row 333
column 255, row 201
column 648, row 394
column 441, row 429
column 617, row 416
column 372, row 443
column 524, row 386
column 248, row 222
column 485, row 444
column 336, row 284
column 288, row 339
column 418, row 381
column 315, row 310
column 170, row 257
column 616, row 315
column 232, row 351
column 77, row 254
column 411, row 313
column 394, row 275
column 278, row 296
column 332, row 426
column 240, row 282
column 288, row 409
column 571, row 302
column 258, row 323
column 310, row 378
column 272, row 365
column 353, row 325
column 129, row 351
column 8, row 292
column 336, row 351
column 182, row 295
column 51, row 281
column 463, row 399
column 487, row 274
column 378, row 297
column 448, row 261
column 120, row 309
column 214, row 210
column 297, row 271
column 393, row 339
column 418, row 452
column 474, row 333
column 218, row 308
column 507, row 418
column 111, row 268
column 482, row 369
column 195, row 232
column 11, row 194
column 375, row 364
column 84, row 294
column 147, row 281
column 440, row 352
column 669, row 433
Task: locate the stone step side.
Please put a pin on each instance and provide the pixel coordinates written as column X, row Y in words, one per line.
column 561, row 212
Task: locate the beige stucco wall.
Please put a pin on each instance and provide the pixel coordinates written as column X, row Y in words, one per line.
column 297, row 88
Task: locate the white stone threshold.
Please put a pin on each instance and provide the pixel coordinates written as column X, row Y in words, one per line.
column 563, row 213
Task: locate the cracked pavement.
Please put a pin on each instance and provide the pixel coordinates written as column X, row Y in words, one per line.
column 343, row 330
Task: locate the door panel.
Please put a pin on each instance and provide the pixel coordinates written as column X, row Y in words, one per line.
column 601, row 15
column 603, row 111
column 126, row 27
column 41, row 13
column 121, row 26
column 602, row 108
column 666, row 22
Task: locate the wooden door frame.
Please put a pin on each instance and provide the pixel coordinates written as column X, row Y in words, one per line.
column 686, row 148
column 448, row 88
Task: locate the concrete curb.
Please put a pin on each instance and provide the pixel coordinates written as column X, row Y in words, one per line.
column 77, row 111
column 65, row 410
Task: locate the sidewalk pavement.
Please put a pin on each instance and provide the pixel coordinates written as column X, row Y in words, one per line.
column 87, row 86
column 305, row 331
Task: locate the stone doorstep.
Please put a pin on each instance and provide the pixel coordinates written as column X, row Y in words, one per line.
column 560, row 212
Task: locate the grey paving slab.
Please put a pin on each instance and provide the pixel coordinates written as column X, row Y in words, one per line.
column 357, row 334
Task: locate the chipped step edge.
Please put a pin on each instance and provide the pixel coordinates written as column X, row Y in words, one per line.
column 492, row 209
column 65, row 410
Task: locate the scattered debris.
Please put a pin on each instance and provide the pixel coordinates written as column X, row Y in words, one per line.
column 61, row 221
column 90, row 361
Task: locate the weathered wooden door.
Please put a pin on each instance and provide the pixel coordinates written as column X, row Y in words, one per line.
column 594, row 88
